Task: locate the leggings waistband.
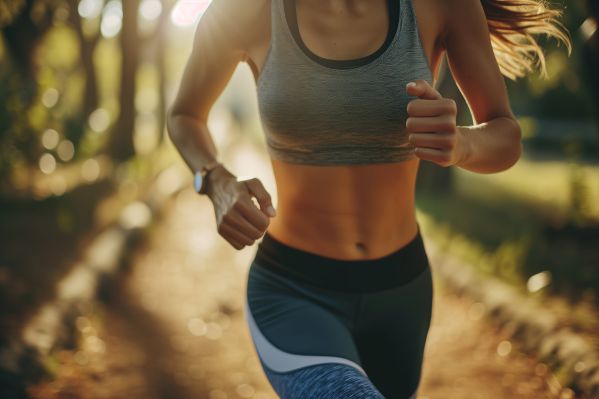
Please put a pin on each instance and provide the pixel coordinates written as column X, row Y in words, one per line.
column 362, row 275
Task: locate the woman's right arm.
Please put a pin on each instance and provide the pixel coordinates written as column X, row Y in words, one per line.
column 220, row 43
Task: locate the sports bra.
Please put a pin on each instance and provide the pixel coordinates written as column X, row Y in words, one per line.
column 321, row 111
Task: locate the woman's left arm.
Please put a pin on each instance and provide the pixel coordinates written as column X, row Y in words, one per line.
column 493, row 143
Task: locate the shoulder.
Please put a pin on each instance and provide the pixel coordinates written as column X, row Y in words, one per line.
column 461, row 16
column 457, row 7
column 240, row 10
column 243, row 21
column 461, row 11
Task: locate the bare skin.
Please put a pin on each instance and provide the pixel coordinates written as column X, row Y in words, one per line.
column 346, row 211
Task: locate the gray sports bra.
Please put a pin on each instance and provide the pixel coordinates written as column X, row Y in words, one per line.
column 332, row 112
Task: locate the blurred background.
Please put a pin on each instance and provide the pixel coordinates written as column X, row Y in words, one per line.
column 114, row 282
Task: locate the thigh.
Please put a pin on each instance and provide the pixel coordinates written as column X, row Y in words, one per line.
column 391, row 335
column 295, row 325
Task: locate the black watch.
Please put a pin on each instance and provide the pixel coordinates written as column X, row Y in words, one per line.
column 200, row 177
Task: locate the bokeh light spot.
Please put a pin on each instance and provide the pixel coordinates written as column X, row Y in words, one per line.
column 99, row 120
column 90, row 169
column 538, row 281
column 89, row 9
column 187, row 12
column 47, row 163
column 150, row 9
column 66, row 150
column 50, row 97
column 112, row 19
column 50, row 139
column 504, row 348
column 136, row 215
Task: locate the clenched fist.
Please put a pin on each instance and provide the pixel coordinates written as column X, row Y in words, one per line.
column 432, row 126
column 238, row 219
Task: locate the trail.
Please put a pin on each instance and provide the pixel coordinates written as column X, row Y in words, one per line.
column 174, row 328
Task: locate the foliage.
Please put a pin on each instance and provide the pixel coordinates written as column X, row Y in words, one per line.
column 9, row 9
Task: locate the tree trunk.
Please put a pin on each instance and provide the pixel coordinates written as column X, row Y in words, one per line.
column 120, row 144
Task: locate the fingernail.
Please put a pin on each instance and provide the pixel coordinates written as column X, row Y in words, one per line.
column 271, row 211
column 411, row 84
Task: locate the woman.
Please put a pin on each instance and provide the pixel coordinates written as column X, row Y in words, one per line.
column 339, row 294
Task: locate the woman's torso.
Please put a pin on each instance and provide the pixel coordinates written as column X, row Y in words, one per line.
column 346, row 211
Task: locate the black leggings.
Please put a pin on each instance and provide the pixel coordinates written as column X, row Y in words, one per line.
column 331, row 328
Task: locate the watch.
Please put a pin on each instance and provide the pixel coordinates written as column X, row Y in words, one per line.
column 200, row 177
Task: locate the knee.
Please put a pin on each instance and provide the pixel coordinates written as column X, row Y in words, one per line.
column 323, row 381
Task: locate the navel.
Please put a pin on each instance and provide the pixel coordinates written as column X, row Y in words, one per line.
column 361, row 247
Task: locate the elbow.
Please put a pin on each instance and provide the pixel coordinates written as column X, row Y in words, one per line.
column 179, row 120
column 173, row 122
column 516, row 147
column 170, row 115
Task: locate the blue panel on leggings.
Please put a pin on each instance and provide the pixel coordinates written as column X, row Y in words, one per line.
column 323, row 381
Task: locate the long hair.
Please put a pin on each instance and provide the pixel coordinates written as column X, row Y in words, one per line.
column 513, row 25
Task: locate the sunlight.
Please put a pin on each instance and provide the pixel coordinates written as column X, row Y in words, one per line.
column 89, row 9
column 50, row 139
column 112, row 19
column 66, row 150
column 47, row 163
column 150, row 9
column 187, row 12
column 99, row 120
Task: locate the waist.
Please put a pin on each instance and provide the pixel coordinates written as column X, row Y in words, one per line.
column 345, row 212
column 366, row 275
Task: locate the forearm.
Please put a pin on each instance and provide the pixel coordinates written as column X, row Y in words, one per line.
column 492, row 146
column 194, row 142
column 192, row 139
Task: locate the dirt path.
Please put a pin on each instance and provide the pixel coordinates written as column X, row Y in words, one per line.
column 175, row 329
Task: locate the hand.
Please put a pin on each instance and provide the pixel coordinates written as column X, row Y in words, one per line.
column 432, row 126
column 238, row 219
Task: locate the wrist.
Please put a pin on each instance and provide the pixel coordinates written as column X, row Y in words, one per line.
column 464, row 146
column 216, row 176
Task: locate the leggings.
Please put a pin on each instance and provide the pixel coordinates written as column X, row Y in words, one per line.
column 333, row 328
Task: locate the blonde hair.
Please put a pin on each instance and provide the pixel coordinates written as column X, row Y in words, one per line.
column 513, row 24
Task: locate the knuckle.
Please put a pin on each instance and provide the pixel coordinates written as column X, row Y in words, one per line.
column 451, row 106
column 266, row 196
column 256, row 233
column 450, row 144
column 445, row 126
column 254, row 236
column 226, row 218
column 238, row 204
column 265, row 224
column 448, row 123
column 445, row 160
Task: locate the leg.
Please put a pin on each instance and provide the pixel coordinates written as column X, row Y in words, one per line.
column 302, row 337
column 323, row 381
column 392, row 330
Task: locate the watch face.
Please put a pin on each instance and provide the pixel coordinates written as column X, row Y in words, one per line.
column 197, row 181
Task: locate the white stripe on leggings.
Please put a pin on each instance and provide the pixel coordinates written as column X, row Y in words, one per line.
column 280, row 361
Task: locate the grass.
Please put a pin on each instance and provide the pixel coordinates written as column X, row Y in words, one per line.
column 546, row 183
column 540, row 215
